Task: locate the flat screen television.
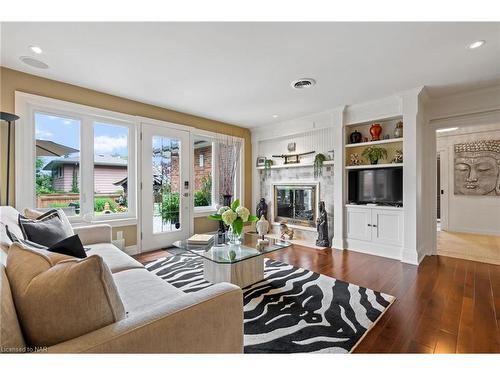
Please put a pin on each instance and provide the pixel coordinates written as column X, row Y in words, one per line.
column 380, row 185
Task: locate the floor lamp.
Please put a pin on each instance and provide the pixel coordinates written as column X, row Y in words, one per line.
column 9, row 118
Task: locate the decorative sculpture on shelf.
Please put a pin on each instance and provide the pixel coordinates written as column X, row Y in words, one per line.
column 398, row 157
column 322, row 226
column 355, row 159
column 293, row 158
column 285, row 231
column 261, row 208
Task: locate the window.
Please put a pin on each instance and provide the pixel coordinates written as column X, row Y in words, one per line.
column 203, row 172
column 57, row 158
column 110, row 169
column 217, row 170
column 77, row 158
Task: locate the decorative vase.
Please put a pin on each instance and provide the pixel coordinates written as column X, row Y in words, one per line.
column 355, row 137
column 235, row 237
column 375, row 131
column 398, row 130
column 373, row 162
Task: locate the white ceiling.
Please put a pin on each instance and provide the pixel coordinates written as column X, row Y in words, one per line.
column 240, row 73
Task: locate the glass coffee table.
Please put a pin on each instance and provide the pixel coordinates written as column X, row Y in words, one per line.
column 241, row 265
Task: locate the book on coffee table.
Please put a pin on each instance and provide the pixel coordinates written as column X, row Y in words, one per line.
column 200, row 239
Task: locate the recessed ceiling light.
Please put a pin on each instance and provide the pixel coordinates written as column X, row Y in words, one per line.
column 36, row 49
column 303, row 83
column 275, row 116
column 476, row 44
column 446, row 130
column 34, row 63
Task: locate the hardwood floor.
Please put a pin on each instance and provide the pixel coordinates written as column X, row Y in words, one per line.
column 445, row 305
column 472, row 246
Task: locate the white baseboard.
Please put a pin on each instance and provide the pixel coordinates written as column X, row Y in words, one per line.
column 472, row 231
column 132, row 250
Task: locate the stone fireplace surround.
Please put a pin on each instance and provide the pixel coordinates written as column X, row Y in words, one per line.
column 299, row 176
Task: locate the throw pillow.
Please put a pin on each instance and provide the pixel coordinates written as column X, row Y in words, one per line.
column 71, row 246
column 35, row 214
column 46, row 230
column 58, row 297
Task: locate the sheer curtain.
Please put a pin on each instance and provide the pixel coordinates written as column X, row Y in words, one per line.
column 228, row 165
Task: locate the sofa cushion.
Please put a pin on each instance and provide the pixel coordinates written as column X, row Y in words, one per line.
column 114, row 258
column 58, row 297
column 140, row 290
column 11, row 337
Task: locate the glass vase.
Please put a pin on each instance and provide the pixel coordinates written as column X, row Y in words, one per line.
column 235, row 238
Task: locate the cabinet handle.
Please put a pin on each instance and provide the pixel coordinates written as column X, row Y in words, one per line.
column 369, row 225
column 374, row 226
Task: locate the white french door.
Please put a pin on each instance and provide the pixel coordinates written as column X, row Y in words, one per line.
column 165, row 194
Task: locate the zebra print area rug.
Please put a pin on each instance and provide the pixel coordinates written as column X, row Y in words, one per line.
column 292, row 310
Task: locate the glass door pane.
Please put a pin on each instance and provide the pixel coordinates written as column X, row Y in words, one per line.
column 57, row 163
column 166, row 184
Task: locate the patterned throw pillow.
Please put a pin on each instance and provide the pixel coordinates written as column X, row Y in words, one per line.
column 47, row 229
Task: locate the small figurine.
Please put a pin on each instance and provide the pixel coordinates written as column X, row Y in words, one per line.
column 262, row 208
column 322, row 226
column 355, row 160
column 262, row 226
column 398, row 157
column 285, row 231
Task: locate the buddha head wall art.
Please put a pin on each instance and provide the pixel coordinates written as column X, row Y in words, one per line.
column 477, row 168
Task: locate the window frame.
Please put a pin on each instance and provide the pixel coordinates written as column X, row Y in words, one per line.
column 239, row 181
column 200, row 211
column 25, row 150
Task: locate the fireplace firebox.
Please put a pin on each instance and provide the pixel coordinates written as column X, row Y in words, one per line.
column 295, row 204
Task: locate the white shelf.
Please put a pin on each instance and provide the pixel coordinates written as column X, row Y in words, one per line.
column 296, row 165
column 373, row 166
column 363, row 144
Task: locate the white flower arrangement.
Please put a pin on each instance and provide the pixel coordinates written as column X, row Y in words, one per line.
column 235, row 216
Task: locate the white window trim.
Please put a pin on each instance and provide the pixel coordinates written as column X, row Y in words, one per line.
column 26, row 105
column 239, row 179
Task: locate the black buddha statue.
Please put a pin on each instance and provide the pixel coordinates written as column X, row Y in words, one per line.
column 262, row 208
column 322, row 227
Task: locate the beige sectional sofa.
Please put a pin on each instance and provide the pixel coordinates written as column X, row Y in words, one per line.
column 159, row 318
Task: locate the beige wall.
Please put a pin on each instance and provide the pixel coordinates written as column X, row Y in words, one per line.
column 12, row 80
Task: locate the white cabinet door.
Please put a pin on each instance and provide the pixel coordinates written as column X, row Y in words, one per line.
column 387, row 227
column 358, row 223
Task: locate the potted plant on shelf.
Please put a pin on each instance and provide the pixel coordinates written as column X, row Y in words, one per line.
column 234, row 216
column 374, row 154
column 267, row 167
column 319, row 159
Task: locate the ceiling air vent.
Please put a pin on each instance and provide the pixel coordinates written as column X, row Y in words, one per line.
column 34, row 63
column 303, row 83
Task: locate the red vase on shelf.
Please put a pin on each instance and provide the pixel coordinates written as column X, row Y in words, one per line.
column 375, row 131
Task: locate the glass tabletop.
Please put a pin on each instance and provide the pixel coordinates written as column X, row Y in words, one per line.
column 228, row 253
